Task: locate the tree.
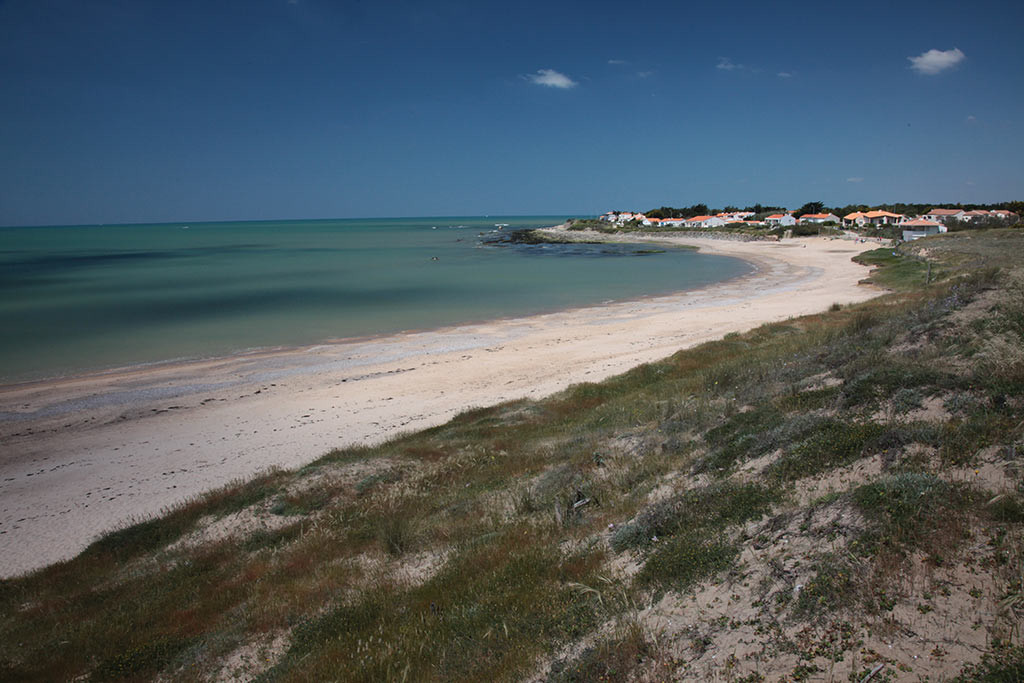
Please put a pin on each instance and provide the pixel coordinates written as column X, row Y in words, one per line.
column 1016, row 207
column 851, row 208
column 810, row 207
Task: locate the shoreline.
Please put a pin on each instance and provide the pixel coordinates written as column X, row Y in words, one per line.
column 95, row 452
column 149, row 367
column 197, row 361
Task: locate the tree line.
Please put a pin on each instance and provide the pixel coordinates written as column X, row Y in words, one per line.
column 819, row 207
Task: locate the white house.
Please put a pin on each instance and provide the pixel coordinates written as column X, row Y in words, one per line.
column 777, row 219
column 920, row 227
column 819, row 218
column 883, row 217
column 621, row 217
column 856, row 218
column 943, row 215
column 705, row 222
column 734, row 216
column 973, row 215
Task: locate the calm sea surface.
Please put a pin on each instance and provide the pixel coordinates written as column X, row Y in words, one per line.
column 81, row 298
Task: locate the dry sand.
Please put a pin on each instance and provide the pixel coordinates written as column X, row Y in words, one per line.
column 81, row 456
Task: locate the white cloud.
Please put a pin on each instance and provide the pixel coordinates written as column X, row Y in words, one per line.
column 644, row 74
column 855, row 179
column 617, row 61
column 726, row 64
column 972, row 119
column 936, row 61
column 784, row 74
column 551, row 79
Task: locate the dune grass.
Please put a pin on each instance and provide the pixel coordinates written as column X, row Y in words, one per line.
column 493, row 547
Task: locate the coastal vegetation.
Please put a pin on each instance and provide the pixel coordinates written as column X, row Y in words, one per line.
column 886, row 221
column 819, row 207
column 834, row 496
column 735, row 229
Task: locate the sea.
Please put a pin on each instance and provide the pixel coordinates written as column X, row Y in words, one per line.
column 85, row 298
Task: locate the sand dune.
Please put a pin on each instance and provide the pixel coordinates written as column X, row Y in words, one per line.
column 81, row 456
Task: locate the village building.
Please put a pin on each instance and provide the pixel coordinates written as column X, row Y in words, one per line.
column 943, row 215
column 705, row 222
column 920, row 227
column 777, row 219
column 819, row 218
column 857, row 218
column 883, row 218
column 734, row 216
column 620, row 217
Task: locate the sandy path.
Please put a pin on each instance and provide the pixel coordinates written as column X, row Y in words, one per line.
column 81, row 456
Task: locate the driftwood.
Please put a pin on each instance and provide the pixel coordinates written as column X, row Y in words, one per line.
column 873, row 672
column 580, row 501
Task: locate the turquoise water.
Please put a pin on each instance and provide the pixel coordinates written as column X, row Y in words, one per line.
column 80, row 298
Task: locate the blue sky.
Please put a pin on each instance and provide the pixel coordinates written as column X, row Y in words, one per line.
column 146, row 111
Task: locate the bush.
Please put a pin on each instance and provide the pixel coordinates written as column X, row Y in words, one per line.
column 909, row 510
column 833, row 443
column 680, row 562
column 833, row 587
column 1005, row 665
column 705, row 509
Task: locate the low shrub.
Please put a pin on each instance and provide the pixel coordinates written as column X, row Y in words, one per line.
column 911, row 510
column 831, row 443
column 835, row 586
column 1004, row 665
column 612, row 660
column 679, row 562
column 705, row 509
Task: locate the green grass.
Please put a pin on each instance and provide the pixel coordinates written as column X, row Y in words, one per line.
column 709, row 508
column 487, row 606
column 826, row 445
column 911, row 511
column 896, row 271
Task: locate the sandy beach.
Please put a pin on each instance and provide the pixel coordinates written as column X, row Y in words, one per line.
column 84, row 455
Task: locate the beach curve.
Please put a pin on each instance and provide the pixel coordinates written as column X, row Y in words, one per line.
column 84, row 455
